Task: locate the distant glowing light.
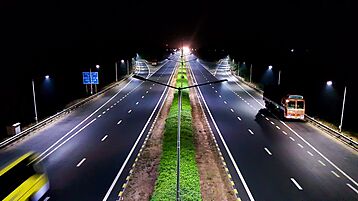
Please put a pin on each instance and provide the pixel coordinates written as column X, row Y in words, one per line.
column 292, row 50
column 270, row 67
column 47, row 77
column 329, row 83
column 97, row 66
column 186, row 50
column 122, row 61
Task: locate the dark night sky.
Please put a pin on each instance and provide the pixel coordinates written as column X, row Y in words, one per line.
column 39, row 36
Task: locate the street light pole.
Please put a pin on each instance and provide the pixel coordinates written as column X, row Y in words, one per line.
column 91, row 81
column 33, row 93
column 279, row 77
column 250, row 73
column 116, row 66
column 344, row 101
column 178, row 144
column 179, row 115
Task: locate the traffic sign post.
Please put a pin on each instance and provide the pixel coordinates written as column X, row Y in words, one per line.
column 90, row 78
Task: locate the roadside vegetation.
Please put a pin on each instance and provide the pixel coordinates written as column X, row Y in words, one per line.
column 165, row 188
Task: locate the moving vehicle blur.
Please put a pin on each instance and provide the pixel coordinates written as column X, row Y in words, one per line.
column 23, row 179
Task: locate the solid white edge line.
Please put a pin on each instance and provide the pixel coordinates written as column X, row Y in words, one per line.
column 104, row 138
column 89, row 116
column 245, row 90
column 296, row 184
column 268, row 151
column 80, row 163
column 224, row 143
column 41, row 158
column 330, row 162
column 351, row 187
column 136, row 142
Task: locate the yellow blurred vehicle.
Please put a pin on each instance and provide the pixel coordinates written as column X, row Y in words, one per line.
column 23, row 179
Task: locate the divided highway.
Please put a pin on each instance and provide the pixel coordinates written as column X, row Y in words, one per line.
column 270, row 159
column 88, row 153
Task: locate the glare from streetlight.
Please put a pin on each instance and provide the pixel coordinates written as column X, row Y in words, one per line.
column 97, row 66
column 47, row 77
column 292, row 50
column 270, row 67
column 329, row 83
column 122, row 61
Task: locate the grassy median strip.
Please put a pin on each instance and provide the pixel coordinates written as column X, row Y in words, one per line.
column 165, row 188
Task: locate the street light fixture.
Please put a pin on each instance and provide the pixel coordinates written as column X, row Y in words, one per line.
column 179, row 118
column 34, row 96
column 330, row 83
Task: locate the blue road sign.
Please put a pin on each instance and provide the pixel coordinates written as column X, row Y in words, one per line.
column 90, row 77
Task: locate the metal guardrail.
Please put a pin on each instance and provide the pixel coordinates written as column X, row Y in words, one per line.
column 50, row 119
column 332, row 131
column 313, row 121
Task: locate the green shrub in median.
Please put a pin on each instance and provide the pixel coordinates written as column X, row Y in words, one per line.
column 165, row 188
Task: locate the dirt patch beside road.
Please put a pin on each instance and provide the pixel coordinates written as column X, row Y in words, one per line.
column 214, row 182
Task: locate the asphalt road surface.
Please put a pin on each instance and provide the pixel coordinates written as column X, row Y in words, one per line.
column 270, row 159
column 88, row 153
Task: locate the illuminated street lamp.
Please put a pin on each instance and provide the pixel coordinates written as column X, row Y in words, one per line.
column 330, row 83
column 47, row 77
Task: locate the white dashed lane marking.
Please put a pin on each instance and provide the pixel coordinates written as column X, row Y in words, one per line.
column 250, row 131
column 335, row 174
column 137, row 103
column 120, row 121
column 300, row 145
column 309, row 153
column 284, row 132
column 292, row 139
column 296, row 184
column 104, row 138
column 321, row 163
column 239, row 118
column 269, row 153
column 81, row 162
